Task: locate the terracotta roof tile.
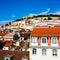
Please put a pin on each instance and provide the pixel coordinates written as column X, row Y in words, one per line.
column 52, row 31
column 2, row 34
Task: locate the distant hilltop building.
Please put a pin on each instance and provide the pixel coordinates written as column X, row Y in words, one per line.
column 41, row 17
column 29, row 22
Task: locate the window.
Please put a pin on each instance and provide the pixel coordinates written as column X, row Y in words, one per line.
column 54, row 40
column 43, row 51
column 44, row 39
column 34, row 51
column 54, row 52
column 34, row 39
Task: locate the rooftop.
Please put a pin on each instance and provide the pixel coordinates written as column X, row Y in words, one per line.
column 46, row 31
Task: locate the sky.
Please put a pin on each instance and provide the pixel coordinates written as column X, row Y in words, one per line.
column 11, row 10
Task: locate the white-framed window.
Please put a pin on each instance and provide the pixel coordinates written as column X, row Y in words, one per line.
column 34, row 39
column 44, row 40
column 54, row 52
column 43, row 51
column 54, row 40
column 34, row 51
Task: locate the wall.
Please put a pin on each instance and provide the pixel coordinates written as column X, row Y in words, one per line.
column 48, row 56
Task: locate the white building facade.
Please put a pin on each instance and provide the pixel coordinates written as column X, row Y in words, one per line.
column 45, row 44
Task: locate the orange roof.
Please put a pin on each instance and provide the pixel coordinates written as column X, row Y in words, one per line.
column 52, row 31
column 2, row 34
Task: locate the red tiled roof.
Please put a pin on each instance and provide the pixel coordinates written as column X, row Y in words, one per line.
column 2, row 34
column 52, row 31
column 5, row 33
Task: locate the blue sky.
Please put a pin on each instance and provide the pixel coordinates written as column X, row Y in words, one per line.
column 13, row 9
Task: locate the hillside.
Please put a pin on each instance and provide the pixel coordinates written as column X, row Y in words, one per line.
column 41, row 16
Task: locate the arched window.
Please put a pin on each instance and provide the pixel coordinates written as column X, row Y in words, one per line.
column 44, row 40
column 34, row 51
column 54, row 52
column 54, row 40
column 43, row 51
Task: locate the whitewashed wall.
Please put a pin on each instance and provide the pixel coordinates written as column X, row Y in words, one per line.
column 48, row 55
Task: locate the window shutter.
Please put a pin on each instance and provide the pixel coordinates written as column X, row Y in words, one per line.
column 39, row 41
column 59, row 41
column 49, row 41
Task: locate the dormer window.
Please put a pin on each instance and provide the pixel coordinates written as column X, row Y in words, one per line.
column 34, row 39
column 54, row 40
column 44, row 40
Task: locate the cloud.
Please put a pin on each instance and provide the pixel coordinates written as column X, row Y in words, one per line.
column 57, row 12
column 41, row 13
column 32, row 14
column 5, row 21
column 45, row 12
column 13, row 16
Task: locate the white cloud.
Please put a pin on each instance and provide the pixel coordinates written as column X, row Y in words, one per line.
column 45, row 12
column 41, row 13
column 57, row 12
column 13, row 16
column 31, row 14
column 5, row 21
